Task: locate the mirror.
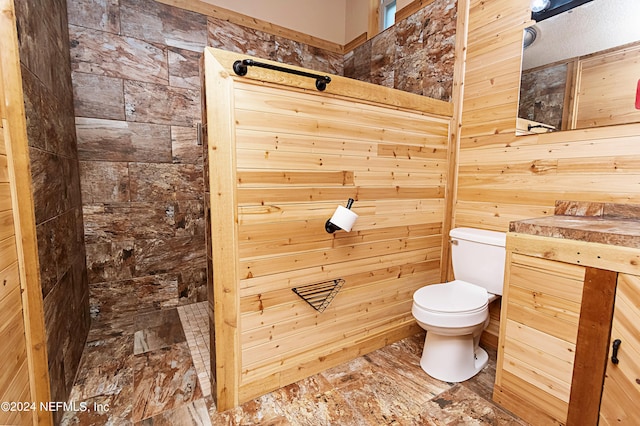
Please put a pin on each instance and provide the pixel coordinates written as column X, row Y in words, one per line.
column 581, row 68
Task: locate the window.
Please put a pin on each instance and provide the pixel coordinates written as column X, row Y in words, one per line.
column 388, row 15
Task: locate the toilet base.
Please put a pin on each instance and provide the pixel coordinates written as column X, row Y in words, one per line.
column 452, row 358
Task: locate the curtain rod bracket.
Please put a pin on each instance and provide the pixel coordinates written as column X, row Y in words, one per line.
column 241, row 68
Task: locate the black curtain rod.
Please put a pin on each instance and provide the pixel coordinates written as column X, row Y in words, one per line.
column 241, row 67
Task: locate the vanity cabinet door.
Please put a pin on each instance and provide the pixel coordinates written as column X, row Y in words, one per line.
column 621, row 392
column 538, row 332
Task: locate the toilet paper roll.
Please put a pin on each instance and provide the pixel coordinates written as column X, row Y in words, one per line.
column 344, row 218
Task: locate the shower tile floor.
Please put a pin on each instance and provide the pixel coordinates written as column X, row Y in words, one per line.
column 157, row 372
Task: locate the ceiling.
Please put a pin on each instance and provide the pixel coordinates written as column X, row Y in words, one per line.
column 591, row 27
column 555, row 7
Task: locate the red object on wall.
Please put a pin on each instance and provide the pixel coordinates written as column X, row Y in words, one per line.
column 638, row 96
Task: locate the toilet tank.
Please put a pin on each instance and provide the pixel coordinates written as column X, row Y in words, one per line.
column 478, row 257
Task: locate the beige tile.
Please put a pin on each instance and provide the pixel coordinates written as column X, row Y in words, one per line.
column 195, row 321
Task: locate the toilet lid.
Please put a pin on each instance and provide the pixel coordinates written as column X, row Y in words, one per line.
column 455, row 296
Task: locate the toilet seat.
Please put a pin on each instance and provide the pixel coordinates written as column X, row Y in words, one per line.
column 455, row 298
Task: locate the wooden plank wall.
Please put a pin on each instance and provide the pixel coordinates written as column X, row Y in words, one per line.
column 502, row 177
column 541, row 320
column 298, row 155
column 14, row 375
column 606, row 88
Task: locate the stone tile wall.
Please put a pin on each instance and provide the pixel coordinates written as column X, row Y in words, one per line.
column 51, row 135
column 137, row 99
column 416, row 54
column 136, row 86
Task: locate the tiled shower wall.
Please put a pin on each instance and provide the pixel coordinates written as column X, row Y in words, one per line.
column 136, row 87
column 415, row 55
column 45, row 68
column 137, row 98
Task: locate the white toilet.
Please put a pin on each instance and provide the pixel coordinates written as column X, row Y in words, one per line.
column 454, row 314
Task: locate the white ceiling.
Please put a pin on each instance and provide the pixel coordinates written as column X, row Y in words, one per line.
column 594, row 26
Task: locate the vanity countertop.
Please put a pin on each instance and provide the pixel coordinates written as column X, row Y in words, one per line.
column 605, row 223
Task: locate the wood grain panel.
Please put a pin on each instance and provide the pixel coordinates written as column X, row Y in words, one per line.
column 222, row 184
column 260, row 285
column 275, row 102
column 591, row 352
column 391, row 99
column 256, row 303
column 261, row 178
column 409, row 151
column 282, row 160
column 621, row 388
column 589, row 165
column 296, row 155
column 546, row 304
column 288, row 344
column 318, row 144
column 520, row 393
column 494, row 215
column 540, row 344
column 4, row 171
column 291, row 194
column 307, row 238
column 612, row 77
column 284, row 123
column 539, row 326
column 543, row 382
column 12, row 333
column 268, row 265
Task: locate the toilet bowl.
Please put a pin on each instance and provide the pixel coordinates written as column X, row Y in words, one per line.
column 455, row 313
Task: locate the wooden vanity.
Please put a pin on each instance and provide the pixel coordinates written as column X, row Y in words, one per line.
column 572, row 293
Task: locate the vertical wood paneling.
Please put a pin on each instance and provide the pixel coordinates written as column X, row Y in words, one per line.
column 298, row 154
column 598, row 299
column 224, row 230
column 14, row 376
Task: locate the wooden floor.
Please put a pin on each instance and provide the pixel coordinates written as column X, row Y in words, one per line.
column 158, row 375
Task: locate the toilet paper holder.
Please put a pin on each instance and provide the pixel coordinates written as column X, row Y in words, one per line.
column 343, row 218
